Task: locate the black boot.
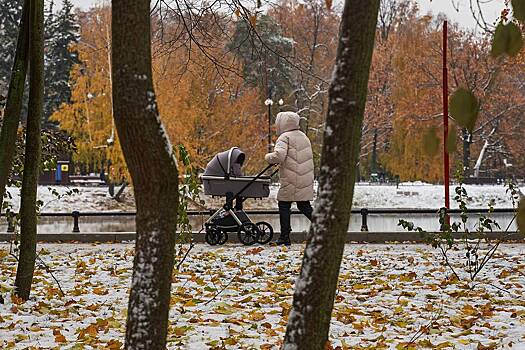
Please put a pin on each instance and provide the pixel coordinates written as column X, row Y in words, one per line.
column 284, row 220
column 284, row 239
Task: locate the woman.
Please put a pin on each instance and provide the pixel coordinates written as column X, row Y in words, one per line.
column 293, row 152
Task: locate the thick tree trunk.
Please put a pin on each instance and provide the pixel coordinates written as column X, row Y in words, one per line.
column 153, row 170
column 14, row 102
column 28, row 209
column 309, row 319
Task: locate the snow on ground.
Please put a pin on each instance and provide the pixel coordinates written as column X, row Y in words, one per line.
column 235, row 297
column 421, row 195
column 406, row 195
column 95, row 198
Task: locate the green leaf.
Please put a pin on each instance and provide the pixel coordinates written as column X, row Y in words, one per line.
column 452, row 140
column 464, row 108
column 507, row 39
column 431, row 142
column 499, row 41
column 515, row 42
column 518, row 9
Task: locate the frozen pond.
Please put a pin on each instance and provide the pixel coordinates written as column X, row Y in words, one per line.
column 376, row 222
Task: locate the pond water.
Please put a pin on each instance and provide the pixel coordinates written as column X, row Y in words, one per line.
column 376, row 223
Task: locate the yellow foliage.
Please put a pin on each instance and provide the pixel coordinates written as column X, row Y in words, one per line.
column 203, row 107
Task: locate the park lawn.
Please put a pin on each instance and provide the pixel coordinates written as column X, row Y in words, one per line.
column 234, row 297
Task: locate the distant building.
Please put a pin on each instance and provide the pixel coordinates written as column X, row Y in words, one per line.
column 57, row 176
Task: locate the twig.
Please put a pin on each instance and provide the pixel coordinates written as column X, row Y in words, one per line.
column 445, row 258
column 185, row 255
column 223, row 289
column 226, row 286
column 420, row 333
column 499, row 288
column 48, row 269
column 492, row 250
column 45, row 266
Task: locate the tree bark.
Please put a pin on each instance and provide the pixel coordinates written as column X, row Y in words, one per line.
column 309, row 319
column 14, row 101
column 152, row 166
column 28, row 208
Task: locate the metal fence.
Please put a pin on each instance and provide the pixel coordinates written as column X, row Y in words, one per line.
column 364, row 212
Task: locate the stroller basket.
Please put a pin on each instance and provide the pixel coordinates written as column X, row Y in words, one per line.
column 223, row 175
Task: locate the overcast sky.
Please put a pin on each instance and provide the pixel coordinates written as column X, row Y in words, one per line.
column 464, row 16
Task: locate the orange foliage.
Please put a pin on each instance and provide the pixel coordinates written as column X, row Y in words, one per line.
column 205, row 108
column 210, row 112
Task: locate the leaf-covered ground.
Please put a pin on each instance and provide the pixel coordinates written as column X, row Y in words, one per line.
column 233, row 297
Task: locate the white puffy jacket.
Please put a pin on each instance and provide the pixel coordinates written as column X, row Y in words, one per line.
column 293, row 152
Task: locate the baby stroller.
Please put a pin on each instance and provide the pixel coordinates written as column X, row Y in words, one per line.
column 223, row 178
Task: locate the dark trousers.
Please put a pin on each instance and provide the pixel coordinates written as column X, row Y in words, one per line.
column 284, row 215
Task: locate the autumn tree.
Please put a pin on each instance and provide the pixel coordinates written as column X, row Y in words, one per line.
column 88, row 115
column 309, row 318
column 417, row 100
column 380, row 107
column 197, row 97
column 311, row 26
column 203, row 103
column 154, row 174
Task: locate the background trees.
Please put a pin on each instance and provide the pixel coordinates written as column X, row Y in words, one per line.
column 417, row 59
column 201, row 59
column 10, row 13
column 61, row 31
column 88, row 116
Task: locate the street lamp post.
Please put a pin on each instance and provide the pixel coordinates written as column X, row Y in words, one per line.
column 269, row 103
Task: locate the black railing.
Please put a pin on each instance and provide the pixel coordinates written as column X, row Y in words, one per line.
column 364, row 212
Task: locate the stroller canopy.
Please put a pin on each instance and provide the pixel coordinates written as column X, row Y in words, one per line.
column 226, row 164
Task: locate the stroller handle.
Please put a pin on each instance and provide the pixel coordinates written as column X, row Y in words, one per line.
column 238, row 194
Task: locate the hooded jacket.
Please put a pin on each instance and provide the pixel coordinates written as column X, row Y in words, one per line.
column 293, row 152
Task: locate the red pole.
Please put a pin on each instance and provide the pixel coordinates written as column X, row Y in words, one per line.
column 446, row 165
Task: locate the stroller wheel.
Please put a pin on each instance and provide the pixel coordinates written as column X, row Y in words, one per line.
column 248, row 233
column 265, row 232
column 223, row 237
column 212, row 236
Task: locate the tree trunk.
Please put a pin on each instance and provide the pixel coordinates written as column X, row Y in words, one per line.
column 152, row 166
column 481, row 156
column 28, row 209
column 14, row 102
column 309, row 319
column 477, row 166
column 467, row 140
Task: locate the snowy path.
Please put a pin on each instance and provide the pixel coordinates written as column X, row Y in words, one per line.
column 387, row 293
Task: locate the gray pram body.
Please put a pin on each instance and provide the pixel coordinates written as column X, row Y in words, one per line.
column 223, row 175
column 223, row 178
